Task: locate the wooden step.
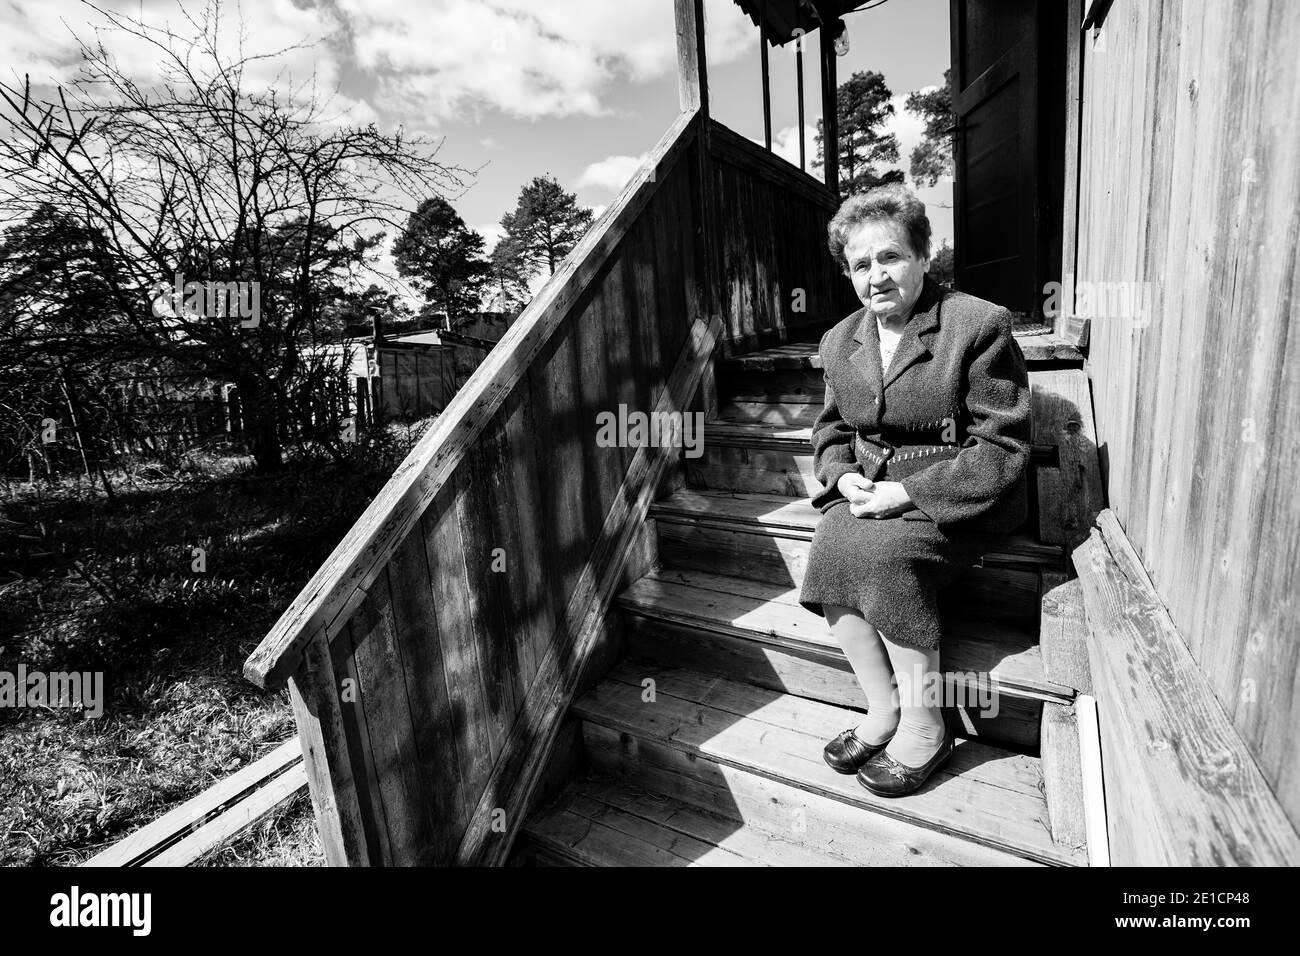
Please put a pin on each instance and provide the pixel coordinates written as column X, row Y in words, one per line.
column 1037, row 342
column 757, row 632
column 764, row 458
column 796, row 519
column 769, row 538
column 770, row 614
column 606, row 818
column 705, row 729
column 798, row 384
column 791, row 355
column 771, row 457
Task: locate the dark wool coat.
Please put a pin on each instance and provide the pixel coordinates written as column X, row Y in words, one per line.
column 950, row 420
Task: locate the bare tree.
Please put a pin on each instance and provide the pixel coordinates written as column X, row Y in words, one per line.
column 199, row 178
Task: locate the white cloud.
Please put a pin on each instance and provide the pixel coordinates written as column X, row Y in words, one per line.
column 41, row 39
column 611, row 173
column 491, row 233
column 448, row 58
column 785, row 143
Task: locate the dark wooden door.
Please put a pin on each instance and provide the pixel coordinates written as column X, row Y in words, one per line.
column 1008, row 151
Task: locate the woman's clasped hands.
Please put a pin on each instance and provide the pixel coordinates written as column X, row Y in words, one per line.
column 874, row 499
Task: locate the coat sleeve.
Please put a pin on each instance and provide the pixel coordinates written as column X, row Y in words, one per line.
column 833, row 455
column 995, row 453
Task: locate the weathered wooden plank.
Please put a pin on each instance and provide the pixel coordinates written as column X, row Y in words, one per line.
column 146, row 843
column 1062, row 776
column 1062, row 633
column 557, row 408
column 391, row 734
column 642, row 308
column 317, row 710
column 240, row 818
column 444, row 554
column 1181, row 786
column 790, row 414
column 1066, row 324
column 415, row 623
column 778, row 385
column 530, row 584
column 1069, row 495
column 357, row 735
column 836, row 829
column 487, row 519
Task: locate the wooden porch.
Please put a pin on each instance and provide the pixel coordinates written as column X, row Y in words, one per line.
column 537, row 649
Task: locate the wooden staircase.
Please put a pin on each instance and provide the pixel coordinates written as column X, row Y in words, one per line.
column 703, row 743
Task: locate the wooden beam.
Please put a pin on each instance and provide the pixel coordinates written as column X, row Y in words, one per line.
column 339, row 586
column 1062, row 633
column 692, row 67
column 1182, row 788
column 1065, row 323
column 767, row 85
column 195, row 815
column 830, row 113
column 798, row 69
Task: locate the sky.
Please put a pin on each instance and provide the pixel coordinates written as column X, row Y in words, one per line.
column 577, row 89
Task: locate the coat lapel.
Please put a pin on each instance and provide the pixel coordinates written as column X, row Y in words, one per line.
column 914, row 343
column 867, row 355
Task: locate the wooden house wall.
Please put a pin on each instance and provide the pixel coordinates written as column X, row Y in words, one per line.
column 1189, row 188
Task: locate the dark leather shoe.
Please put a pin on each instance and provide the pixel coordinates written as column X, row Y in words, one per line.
column 886, row 777
column 847, row 752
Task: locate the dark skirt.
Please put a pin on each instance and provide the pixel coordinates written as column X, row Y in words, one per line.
column 889, row 569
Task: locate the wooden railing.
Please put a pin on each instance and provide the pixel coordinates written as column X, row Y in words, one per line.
column 778, row 282
column 431, row 658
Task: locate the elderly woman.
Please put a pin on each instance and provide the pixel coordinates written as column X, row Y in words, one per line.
column 922, row 449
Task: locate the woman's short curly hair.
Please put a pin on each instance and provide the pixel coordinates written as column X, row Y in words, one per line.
column 893, row 202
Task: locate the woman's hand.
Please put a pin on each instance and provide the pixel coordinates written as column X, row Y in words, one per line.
column 874, row 499
column 855, row 487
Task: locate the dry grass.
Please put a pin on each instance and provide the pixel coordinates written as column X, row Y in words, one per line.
column 92, row 585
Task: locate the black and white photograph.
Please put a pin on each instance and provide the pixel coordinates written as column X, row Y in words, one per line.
column 655, row 433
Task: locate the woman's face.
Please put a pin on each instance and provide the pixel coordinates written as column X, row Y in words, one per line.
column 886, row 273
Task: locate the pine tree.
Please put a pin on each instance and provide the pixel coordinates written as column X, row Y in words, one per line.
column 444, row 257
column 862, row 107
column 932, row 157
column 547, row 222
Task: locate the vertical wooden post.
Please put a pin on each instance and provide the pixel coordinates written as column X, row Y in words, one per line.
column 692, row 71
column 693, row 93
column 1065, row 324
column 317, row 708
column 798, row 71
column 767, row 86
column 830, row 115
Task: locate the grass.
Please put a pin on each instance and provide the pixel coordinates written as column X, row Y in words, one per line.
column 89, row 584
